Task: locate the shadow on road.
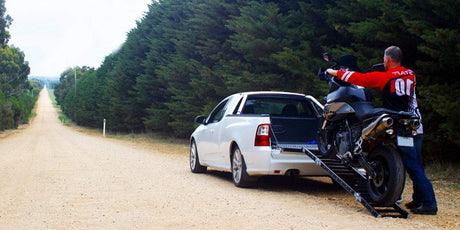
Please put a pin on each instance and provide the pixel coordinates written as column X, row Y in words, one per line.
column 308, row 185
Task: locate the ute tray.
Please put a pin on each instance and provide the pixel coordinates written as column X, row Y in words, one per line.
column 355, row 183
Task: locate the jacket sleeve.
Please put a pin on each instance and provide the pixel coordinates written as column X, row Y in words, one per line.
column 374, row 79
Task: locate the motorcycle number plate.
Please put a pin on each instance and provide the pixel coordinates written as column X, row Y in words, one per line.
column 405, row 141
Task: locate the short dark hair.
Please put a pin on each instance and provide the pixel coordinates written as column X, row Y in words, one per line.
column 394, row 53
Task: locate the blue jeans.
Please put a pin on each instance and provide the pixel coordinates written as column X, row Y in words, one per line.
column 412, row 159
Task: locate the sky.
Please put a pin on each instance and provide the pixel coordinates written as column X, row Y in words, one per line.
column 59, row 34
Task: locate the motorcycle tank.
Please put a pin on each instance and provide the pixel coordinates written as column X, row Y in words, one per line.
column 346, row 94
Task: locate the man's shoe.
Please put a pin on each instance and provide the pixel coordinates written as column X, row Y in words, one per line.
column 423, row 210
column 413, row 204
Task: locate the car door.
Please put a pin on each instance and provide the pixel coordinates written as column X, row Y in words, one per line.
column 212, row 133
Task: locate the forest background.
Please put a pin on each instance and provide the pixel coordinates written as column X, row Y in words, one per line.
column 185, row 56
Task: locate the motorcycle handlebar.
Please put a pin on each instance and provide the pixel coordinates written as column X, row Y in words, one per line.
column 323, row 75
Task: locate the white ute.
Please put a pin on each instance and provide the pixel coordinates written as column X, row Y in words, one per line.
column 253, row 134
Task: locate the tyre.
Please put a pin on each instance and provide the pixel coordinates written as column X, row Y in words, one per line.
column 386, row 188
column 325, row 144
column 195, row 165
column 240, row 176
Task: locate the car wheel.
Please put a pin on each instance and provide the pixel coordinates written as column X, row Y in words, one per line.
column 195, row 165
column 239, row 175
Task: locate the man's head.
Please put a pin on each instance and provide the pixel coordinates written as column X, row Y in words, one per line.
column 392, row 57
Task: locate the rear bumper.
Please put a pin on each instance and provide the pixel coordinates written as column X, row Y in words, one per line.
column 305, row 167
column 279, row 163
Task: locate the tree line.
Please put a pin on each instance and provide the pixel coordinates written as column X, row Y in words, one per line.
column 17, row 93
column 185, row 56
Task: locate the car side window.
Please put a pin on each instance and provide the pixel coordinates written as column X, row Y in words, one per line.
column 218, row 113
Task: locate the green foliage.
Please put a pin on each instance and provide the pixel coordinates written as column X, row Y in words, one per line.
column 5, row 22
column 79, row 101
column 440, row 105
column 17, row 95
column 15, row 110
column 13, row 71
column 36, row 85
column 185, row 56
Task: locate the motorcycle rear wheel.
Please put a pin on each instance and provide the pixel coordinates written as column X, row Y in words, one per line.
column 386, row 188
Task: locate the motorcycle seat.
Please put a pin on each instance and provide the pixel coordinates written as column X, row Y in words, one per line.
column 365, row 110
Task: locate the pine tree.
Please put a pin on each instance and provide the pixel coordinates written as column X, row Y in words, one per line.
column 185, row 56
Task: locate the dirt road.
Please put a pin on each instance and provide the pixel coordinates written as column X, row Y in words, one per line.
column 54, row 177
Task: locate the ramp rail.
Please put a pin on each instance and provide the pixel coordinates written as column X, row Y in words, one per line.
column 355, row 183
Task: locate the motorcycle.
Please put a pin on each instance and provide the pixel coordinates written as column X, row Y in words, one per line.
column 365, row 137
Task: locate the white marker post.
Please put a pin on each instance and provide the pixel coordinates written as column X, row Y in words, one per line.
column 103, row 129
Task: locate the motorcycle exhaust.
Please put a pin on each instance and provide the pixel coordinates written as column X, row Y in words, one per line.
column 377, row 127
column 415, row 124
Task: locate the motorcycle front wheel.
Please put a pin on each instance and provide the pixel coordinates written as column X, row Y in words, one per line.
column 325, row 144
column 386, row 188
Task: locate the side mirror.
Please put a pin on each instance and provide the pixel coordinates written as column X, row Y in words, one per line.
column 378, row 67
column 200, row 120
column 327, row 57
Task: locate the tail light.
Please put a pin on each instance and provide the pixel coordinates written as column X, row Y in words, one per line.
column 262, row 135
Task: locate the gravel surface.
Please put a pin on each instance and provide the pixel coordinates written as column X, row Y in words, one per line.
column 57, row 177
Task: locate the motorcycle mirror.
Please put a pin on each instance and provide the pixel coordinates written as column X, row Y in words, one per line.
column 378, row 67
column 327, row 57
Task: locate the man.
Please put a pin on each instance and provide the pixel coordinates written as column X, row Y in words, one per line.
column 397, row 86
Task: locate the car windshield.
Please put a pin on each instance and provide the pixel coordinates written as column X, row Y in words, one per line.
column 278, row 106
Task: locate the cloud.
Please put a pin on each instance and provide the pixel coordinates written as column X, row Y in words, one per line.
column 58, row 34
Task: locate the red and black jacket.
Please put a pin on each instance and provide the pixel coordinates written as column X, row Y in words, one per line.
column 397, row 85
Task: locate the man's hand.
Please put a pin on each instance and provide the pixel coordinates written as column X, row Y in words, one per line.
column 332, row 72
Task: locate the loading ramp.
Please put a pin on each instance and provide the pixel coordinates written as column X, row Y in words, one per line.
column 355, row 183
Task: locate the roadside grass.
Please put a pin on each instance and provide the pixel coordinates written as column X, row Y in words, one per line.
column 161, row 141
column 157, row 141
column 151, row 138
column 32, row 115
column 62, row 117
column 53, row 98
